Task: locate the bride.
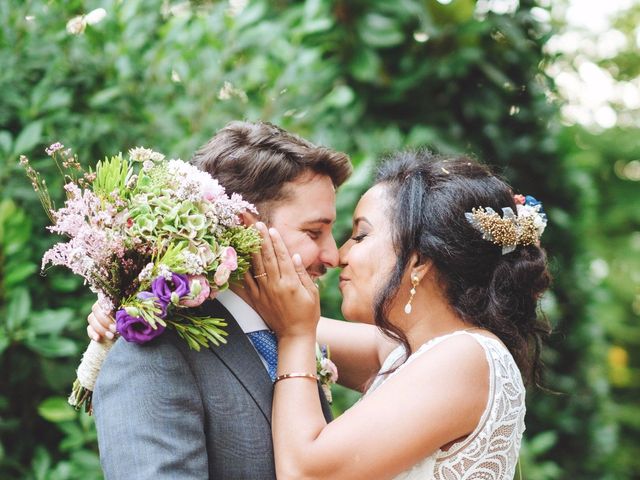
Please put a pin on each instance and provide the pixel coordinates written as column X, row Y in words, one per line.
column 453, row 287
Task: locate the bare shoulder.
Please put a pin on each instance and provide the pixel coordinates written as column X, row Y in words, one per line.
column 457, row 362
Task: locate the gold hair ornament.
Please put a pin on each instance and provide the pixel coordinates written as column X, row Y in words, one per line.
column 510, row 230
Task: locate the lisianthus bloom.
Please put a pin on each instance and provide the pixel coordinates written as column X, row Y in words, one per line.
column 171, row 291
column 136, row 329
column 222, row 275
column 229, row 258
column 228, row 263
column 199, row 286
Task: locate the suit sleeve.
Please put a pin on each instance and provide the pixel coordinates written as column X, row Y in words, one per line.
column 149, row 414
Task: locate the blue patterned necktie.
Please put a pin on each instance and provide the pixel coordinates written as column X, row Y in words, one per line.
column 267, row 346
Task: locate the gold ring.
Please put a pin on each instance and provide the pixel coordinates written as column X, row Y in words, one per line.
column 260, row 275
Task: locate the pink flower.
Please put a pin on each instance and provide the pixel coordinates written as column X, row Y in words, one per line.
column 229, row 258
column 328, row 367
column 199, row 299
column 53, row 148
column 222, row 275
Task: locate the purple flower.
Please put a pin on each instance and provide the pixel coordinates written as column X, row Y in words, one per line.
column 135, row 329
column 164, row 290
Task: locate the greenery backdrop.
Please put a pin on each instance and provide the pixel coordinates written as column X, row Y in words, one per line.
column 363, row 76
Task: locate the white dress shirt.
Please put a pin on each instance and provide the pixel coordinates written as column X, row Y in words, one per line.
column 247, row 318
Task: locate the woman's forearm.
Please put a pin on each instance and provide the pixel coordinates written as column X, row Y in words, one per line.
column 357, row 350
column 297, row 413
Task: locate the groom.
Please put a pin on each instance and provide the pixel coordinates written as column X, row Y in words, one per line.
column 164, row 411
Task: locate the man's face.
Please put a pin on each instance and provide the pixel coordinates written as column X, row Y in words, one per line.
column 305, row 220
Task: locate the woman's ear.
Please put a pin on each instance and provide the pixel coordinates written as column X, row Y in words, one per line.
column 248, row 218
column 419, row 268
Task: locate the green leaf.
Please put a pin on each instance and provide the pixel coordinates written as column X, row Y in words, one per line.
column 105, row 96
column 18, row 309
column 51, row 321
column 65, row 283
column 4, row 341
column 380, row 31
column 53, row 347
column 41, row 463
column 341, row 96
column 29, row 137
column 16, row 275
column 56, row 410
column 57, row 99
column 5, row 141
column 542, row 442
column 366, row 65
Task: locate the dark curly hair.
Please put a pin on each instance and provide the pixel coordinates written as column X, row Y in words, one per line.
column 428, row 197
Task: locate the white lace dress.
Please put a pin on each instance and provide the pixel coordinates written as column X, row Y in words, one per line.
column 491, row 451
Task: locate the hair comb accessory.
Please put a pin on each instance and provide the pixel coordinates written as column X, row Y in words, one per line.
column 523, row 227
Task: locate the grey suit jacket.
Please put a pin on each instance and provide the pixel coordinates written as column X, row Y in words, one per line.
column 164, row 411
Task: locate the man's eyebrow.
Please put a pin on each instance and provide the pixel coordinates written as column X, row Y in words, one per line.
column 323, row 220
column 357, row 220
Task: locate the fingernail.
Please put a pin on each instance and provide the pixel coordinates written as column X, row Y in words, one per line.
column 297, row 259
column 260, row 226
column 112, row 327
column 272, row 231
column 109, row 335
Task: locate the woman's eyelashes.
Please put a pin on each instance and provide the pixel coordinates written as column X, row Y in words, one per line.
column 359, row 237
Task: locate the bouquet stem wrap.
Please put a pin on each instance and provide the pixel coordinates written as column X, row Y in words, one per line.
column 89, row 368
column 92, row 361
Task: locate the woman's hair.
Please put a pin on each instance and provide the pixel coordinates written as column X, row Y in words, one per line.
column 428, row 196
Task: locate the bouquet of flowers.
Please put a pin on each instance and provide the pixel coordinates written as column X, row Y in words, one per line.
column 153, row 238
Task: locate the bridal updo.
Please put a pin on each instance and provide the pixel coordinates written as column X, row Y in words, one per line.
column 428, row 197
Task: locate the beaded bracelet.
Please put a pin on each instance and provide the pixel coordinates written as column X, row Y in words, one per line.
column 284, row 376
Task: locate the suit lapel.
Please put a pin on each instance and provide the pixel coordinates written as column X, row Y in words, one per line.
column 242, row 360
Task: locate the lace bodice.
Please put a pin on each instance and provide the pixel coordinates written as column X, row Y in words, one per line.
column 491, row 451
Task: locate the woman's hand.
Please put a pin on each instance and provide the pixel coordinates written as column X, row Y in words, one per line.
column 280, row 288
column 101, row 324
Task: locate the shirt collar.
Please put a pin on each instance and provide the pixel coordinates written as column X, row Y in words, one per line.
column 247, row 318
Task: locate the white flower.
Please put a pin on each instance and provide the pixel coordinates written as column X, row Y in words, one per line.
column 146, row 272
column 141, row 154
column 165, row 271
column 228, row 90
column 77, row 25
column 95, row 16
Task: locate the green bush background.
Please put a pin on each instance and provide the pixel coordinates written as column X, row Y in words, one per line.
column 363, row 76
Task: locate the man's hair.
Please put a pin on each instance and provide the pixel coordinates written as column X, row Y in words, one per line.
column 256, row 160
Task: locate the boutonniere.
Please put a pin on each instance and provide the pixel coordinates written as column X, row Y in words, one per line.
column 327, row 370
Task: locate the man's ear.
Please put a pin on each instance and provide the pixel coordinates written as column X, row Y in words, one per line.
column 248, row 218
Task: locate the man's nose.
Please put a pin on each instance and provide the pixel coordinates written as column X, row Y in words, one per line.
column 329, row 255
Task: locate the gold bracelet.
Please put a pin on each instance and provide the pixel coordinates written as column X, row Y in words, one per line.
column 284, row 376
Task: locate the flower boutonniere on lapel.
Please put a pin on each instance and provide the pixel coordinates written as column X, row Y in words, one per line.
column 327, row 370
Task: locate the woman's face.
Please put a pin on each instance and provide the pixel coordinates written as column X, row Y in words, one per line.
column 368, row 257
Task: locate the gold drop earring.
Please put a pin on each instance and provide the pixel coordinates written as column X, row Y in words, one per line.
column 414, row 283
